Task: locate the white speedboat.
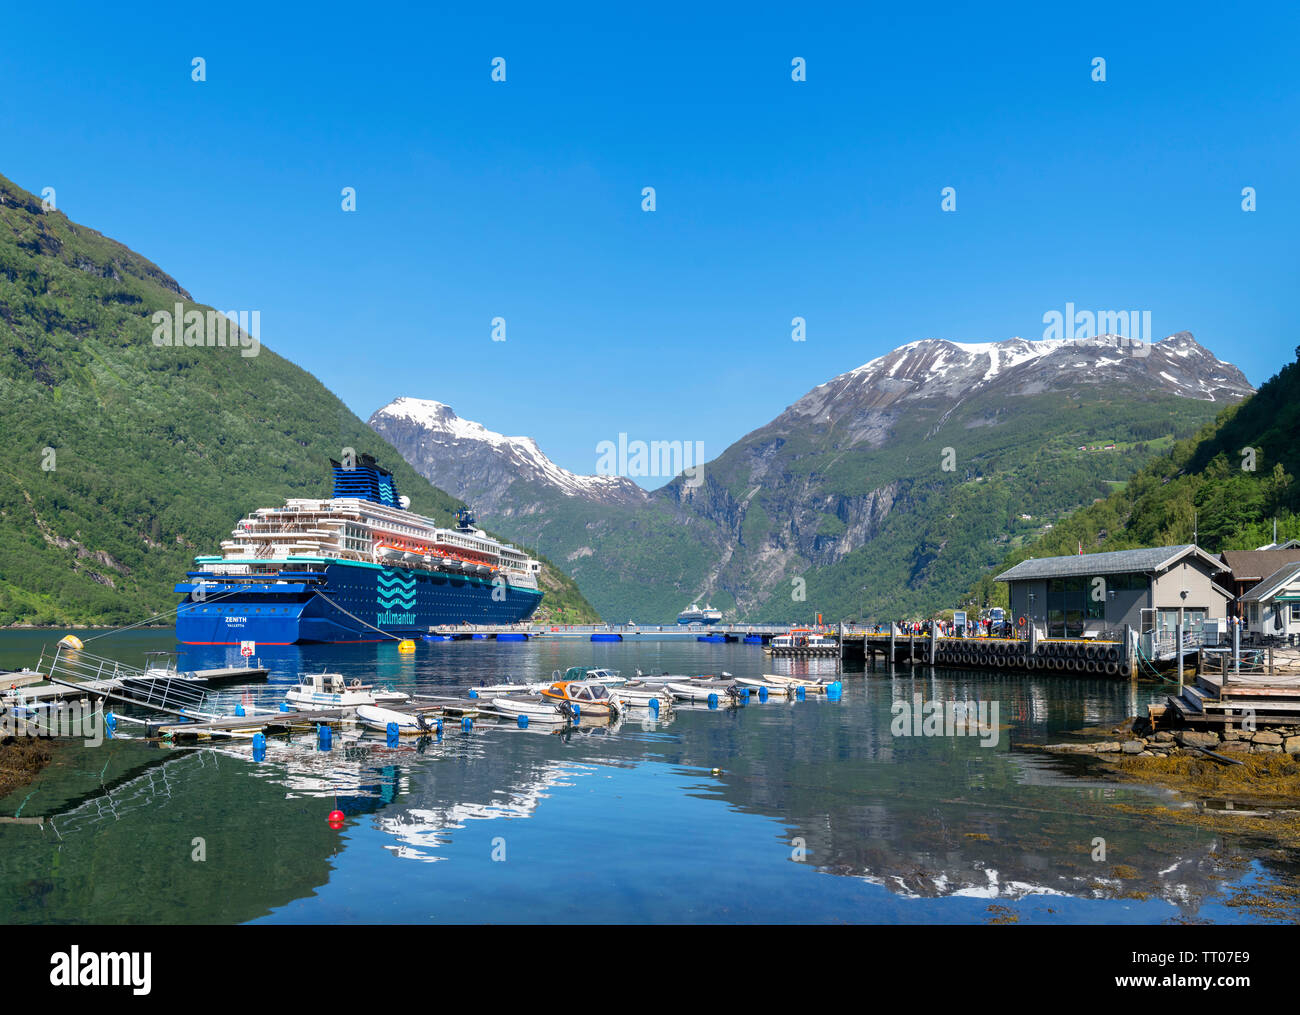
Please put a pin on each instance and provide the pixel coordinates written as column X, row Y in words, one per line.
column 699, row 690
column 376, row 718
column 537, row 709
column 609, row 678
column 810, row 684
column 331, row 690
column 802, row 641
column 775, row 689
column 509, row 688
column 640, row 697
column 660, row 679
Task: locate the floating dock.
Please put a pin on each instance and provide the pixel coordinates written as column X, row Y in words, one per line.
column 247, row 725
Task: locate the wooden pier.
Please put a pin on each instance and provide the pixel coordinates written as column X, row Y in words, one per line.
column 1221, row 694
column 1031, row 654
column 277, row 723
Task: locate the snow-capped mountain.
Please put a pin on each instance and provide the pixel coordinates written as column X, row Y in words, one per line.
column 937, row 454
column 940, row 369
column 858, row 459
column 498, row 475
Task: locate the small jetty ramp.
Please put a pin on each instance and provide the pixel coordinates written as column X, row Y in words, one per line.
column 1225, row 699
column 79, row 675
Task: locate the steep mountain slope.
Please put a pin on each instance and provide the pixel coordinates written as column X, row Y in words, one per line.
column 890, row 487
column 643, row 563
column 1226, row 486
column 126, row 458
column 499, row 475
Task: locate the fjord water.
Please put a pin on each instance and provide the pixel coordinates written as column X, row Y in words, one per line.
column 809, row 811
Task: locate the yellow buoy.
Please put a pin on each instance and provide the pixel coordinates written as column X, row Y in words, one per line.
column 71, row 641
column 406, row 645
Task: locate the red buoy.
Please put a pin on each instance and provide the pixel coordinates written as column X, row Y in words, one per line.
column 335, row 818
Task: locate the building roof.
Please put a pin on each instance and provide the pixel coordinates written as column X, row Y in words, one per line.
column 1278, row 580
column 1252, row 565
column 1153, row 558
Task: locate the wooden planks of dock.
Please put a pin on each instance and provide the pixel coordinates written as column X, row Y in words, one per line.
column 266, row 722
column 1217, row 699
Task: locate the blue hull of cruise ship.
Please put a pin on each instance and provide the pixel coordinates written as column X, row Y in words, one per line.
column 347, row 604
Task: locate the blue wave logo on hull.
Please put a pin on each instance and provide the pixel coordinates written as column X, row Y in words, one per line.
column 395, row 591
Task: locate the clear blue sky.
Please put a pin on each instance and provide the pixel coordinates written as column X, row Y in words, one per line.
column 819, row 199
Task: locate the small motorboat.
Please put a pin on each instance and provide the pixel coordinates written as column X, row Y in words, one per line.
column 609, row 678
column 637, row 696
column 811, row 684
column 510, row 688
column 775, row 689
column 660, row 679
column 330, row 690
column 537, row 709
column 699, row 690
column 376, row 718
column 593, row 699
column 802, row 642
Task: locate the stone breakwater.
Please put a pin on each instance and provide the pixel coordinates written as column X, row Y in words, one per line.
column 1162, row 743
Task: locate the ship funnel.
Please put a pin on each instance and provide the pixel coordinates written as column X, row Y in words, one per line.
column 366, row 480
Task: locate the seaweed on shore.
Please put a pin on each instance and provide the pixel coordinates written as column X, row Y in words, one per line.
column 21, row 760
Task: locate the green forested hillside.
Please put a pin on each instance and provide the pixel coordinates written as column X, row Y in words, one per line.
column 1227, row 484
column 1013, row 478
column 124, row 459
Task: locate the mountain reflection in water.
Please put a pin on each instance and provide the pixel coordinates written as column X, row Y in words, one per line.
column 726, row 815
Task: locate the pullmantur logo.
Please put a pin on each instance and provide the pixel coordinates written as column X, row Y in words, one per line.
column 74, row 968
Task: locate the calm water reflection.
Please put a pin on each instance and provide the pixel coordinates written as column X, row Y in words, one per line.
column 786, row 811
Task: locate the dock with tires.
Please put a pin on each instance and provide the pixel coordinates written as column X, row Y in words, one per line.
column 1074, row 656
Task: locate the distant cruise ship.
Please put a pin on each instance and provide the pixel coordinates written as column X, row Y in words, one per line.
column 694, row 615
column 356, row 567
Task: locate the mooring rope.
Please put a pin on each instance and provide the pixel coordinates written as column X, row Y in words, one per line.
column 170, row 613
column 336, row 606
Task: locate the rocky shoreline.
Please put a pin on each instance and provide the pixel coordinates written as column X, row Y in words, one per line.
column 1242, row 784
column 1143, row 742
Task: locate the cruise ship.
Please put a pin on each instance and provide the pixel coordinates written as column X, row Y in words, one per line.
column 357, row 567
column 694, row 615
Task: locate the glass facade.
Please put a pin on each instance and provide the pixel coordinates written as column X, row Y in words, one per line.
column 1073, row 602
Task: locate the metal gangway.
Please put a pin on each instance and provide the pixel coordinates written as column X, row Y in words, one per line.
column 99, row 676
